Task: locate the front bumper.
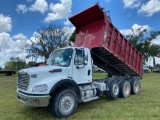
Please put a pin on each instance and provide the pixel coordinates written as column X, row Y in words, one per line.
column 33, row 100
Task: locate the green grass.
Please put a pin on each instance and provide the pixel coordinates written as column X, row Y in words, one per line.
column 144, row 106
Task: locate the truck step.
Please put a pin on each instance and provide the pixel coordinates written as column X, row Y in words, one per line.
column 89, row 99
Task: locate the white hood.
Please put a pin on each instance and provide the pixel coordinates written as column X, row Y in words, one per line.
column 45, row 75
column 40, row 69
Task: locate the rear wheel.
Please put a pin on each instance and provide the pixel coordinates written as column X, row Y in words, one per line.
column 135, row 86
column 113, row 91
column 64, row 103
column 125, row 89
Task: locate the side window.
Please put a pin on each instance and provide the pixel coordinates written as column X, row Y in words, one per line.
column 85, row 57
column 78, row 57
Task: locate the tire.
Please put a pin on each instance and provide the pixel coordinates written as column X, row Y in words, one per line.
column 125, row 89
column 135, row 86
column 64, row 103
column 113, row 91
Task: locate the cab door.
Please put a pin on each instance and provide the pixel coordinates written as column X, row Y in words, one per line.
column 82, row 70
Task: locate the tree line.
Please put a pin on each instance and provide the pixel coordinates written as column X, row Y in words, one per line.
column 15, row 63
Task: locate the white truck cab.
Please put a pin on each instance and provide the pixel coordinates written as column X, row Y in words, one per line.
column 67, row 68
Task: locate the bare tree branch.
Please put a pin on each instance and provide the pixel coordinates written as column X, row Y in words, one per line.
column 47, row 39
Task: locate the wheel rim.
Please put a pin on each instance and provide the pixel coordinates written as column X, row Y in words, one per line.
column 136, row 86
column 115, row 89
column 127, row 89
column 67, row 104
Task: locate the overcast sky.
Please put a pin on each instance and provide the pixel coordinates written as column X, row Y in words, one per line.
column 19, row 19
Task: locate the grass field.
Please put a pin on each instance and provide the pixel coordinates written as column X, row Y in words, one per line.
column 144, row 106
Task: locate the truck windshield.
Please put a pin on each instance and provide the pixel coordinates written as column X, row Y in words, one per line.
column 60, row 57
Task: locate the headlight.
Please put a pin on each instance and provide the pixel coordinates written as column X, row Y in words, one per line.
column 40, row 88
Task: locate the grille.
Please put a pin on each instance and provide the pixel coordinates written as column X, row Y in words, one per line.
column 23, row 81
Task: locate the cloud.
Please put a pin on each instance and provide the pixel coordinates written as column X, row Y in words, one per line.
column 150, row 8
column 126, row 32
column 5, row 41
column 40, row 6
column 55, row 11
column 5, row 23
column 131, row 3
column 12, row 47
column 22, row 8
column 157, row 40
column 9, row 48
column 68, row 31
column 67, row 22
column 134, row 28
column 19, row 36
column 59, row 10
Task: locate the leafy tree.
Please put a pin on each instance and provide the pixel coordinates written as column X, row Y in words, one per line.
column 47, row 39
column 31, row 63
column 15, row 64
column 157, row 65
column 0, row 68
column 143, row 42
column 73, row 36
column 12, row 59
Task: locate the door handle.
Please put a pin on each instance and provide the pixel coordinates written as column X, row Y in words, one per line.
column 89, row 72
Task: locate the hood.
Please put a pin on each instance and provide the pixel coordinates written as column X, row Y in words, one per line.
column 45, row 75
column 40, row 69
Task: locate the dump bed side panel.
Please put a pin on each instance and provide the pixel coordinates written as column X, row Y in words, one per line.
column 109, row 48
column 87, row 36
column 121, row 48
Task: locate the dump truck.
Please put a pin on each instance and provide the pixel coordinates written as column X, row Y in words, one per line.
column 66, row 80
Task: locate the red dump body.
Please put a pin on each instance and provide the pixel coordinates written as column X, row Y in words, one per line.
column 109, row 48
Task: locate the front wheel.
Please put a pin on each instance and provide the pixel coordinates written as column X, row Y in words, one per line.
column 113, row 91
column 64, row 103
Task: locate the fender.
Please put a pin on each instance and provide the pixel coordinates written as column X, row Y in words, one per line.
column 67, row 82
